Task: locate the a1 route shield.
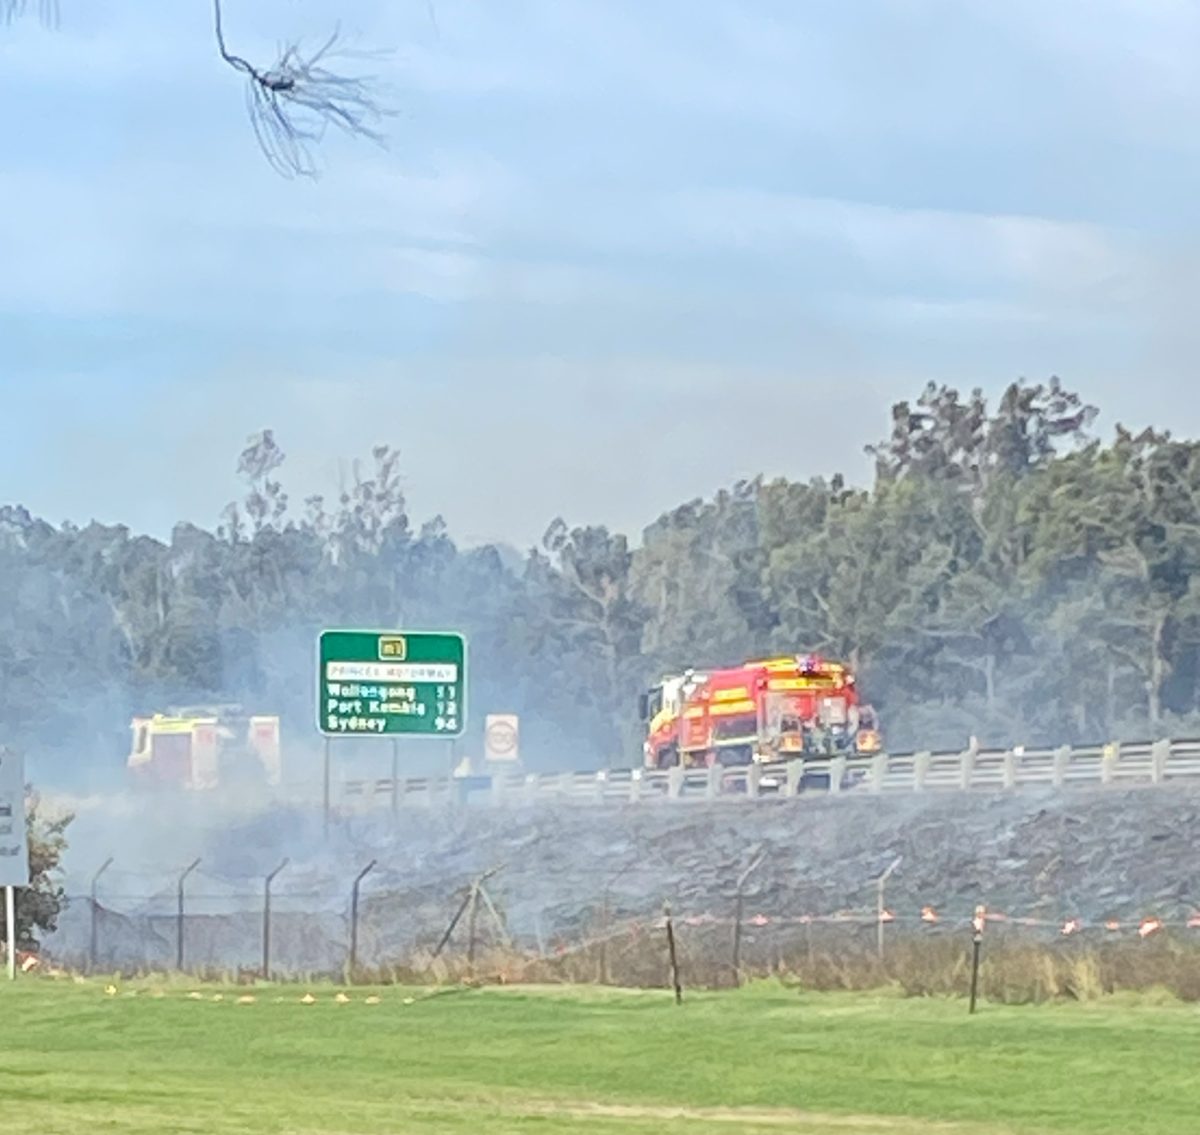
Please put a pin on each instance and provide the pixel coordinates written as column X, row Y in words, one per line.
column 390, row 683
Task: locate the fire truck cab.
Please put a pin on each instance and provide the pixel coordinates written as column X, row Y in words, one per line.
column 764, row 710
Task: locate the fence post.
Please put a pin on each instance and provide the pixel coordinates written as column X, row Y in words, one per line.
column 737, row 918
column 715, row 773
column 675, row 781
column 795, row 773
column 879, row 764
column 673, row 955
column 881, row 906
column 976, row 947
column 753, row 777
column 837, row 773
column 266, row 931
column 472, row 923
column 179, row 915
column 354, row 918
column 93, row 940
column 605, row 917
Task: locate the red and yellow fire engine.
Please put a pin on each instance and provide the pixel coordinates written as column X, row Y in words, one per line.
column 766, row 710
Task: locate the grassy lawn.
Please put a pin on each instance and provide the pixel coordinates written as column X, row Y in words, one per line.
column 513, row 1060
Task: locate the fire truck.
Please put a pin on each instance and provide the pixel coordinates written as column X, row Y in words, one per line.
column 767, row 710
column 201, row 747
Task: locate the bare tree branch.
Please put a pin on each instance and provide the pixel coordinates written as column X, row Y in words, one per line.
column 47, row 10
column 294, row 102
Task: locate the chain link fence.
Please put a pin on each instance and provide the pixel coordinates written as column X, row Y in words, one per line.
column 363, row 926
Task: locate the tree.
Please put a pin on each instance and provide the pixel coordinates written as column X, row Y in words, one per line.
column 946, row 439
column 38, row 905
column 688, row 576
column 586, row 633
column 998, row 579
column 293, row 102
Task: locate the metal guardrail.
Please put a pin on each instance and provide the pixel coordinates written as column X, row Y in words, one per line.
column 1162, row 763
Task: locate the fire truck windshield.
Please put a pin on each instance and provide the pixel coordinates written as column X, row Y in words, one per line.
column 735, row 728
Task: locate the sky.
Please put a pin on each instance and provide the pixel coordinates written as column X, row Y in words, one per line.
column 615, row 255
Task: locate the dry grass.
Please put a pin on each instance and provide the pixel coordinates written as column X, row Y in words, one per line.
column 1012, row 972
column 1015, row 969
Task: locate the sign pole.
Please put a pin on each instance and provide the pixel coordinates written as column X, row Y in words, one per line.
column 14, row 846
column 395, row 777
column 10, row 924
column 325, row 797
column 390, row 684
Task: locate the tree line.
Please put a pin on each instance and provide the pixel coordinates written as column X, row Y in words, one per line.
column 1007, row 575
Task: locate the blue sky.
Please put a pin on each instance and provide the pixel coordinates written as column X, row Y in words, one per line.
column 617, row 254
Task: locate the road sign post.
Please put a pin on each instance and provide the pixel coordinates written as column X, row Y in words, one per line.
column 14, row 847
column 390, row 684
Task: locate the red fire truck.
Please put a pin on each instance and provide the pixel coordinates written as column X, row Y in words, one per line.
column 766, row 710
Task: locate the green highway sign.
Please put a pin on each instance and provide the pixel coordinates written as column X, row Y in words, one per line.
column 385, row 683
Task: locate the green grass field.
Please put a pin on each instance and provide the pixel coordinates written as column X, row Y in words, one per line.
column 536, row 1060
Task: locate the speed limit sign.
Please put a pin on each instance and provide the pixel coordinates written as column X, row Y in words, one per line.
column 500, row 737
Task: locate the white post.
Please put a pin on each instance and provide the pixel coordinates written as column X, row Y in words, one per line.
column 1160, row 755
column 968, row 765
column 879, row 765
column 1010, row 769
column 10, row 923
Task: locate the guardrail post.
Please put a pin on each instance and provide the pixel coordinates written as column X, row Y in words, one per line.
column 1010, row 769
column 753, row 778
column 1062, row 761
column 921, row 769
column 967, row 760
column 795, row 772
column 635, row 786
column 675, row 781
column 879, row 764
column 1108, row 762
column 1160, row 754
column 715, row 773
column 837, row 773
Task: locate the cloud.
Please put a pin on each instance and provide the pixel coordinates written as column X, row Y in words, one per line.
column 707, row 238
